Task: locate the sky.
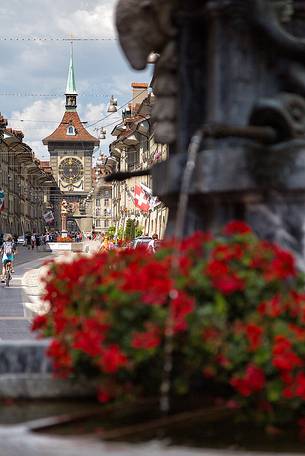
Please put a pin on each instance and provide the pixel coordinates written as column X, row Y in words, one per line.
column 40, row 67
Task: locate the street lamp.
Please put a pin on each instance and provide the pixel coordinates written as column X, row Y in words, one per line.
column 113, row 102
column 103, row 131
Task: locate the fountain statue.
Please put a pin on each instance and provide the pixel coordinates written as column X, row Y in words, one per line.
column 232, row 70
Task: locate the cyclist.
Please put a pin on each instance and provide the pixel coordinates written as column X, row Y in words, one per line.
column 7, row 251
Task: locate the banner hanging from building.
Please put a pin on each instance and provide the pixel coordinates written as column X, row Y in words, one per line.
column 48, row 217
column 143, row 198
column 2, row 197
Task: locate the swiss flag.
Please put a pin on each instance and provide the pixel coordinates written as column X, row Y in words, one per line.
column 141, row 199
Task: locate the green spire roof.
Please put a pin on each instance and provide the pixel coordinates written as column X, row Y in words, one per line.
column 71, row 86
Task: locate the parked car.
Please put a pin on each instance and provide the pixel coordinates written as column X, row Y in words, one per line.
column 142, row 241
column 21, row 240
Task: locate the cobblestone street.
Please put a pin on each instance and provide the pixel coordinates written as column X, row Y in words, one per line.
column 15, row 315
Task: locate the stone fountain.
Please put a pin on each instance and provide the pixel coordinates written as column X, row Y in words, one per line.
column 230, row 79
column 233, row 70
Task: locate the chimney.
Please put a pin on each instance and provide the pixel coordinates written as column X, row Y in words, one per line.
column 139, row 93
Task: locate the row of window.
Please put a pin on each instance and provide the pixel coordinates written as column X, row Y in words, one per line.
column 98, row 202
column 106, row 212
column 98, row 224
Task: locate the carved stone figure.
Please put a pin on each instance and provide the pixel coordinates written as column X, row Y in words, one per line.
column 146, row 26
column 64, row 207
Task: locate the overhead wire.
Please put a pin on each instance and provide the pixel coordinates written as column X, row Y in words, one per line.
column 49, row 95
column 90, row 124
column 54, row 39
column 118, row 109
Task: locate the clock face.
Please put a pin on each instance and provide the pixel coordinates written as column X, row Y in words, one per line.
column 71, row 170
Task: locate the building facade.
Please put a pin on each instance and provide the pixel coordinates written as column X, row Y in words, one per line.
column 71, row 148
column 101, row 196
column 30, row 191
column 135, row 149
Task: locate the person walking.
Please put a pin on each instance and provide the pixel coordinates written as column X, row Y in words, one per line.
column 33, row 241
column 153, row 244
column 28, row 240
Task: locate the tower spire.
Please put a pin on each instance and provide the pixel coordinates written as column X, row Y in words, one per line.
column 71, row 92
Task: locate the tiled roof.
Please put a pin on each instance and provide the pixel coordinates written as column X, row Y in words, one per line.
column 139, row 85
column 17, row 133
column 3, row 124
column 60, row 134
column 3, row 121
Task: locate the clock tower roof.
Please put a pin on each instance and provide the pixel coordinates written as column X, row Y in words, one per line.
column 70, row 130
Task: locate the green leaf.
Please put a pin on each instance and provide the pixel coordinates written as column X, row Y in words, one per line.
column 221, row 305
column 274, row 391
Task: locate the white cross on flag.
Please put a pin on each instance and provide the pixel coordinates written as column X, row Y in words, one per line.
column 141, row 199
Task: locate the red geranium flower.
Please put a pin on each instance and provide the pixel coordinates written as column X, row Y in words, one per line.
column 272, row 308
column 253, row 381
column 112, row 359
column 225, row 252
column 254, row 336
column 151, row 280
column 146, row 340
column 300, row 385
column 210, row 334
column 216, row 268
column 90, row 338
column 61, row 356
column 103, row 396
column 195, row 241
column 39, row 322
column 223, row 361
column 237, row 227
column 298, row 332
column 229, row 283
column 182, row 306
column 284, row 357
column 281, row 267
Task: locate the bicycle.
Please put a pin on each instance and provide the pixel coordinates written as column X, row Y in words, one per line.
column 8, row 273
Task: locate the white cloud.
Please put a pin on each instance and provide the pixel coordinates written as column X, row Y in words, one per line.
column 97, row 22
column 93, row 112
column 40, row 119
column 36, row 122
column 41, row 67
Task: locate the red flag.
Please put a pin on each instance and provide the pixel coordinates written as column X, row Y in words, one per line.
column 141, row 199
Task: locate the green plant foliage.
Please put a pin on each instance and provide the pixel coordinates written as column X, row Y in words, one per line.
column 130, row 229
column 111, row 232
column 139, row 231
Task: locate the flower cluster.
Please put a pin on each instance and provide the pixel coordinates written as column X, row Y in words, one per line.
column 237, row 306
column 64, row 239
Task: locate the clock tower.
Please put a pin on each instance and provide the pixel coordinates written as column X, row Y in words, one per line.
column 71, row 148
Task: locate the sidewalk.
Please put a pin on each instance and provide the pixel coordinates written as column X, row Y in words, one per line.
column 24, row 255
column 32, row 283
column 14, row 318
column 22, row 300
